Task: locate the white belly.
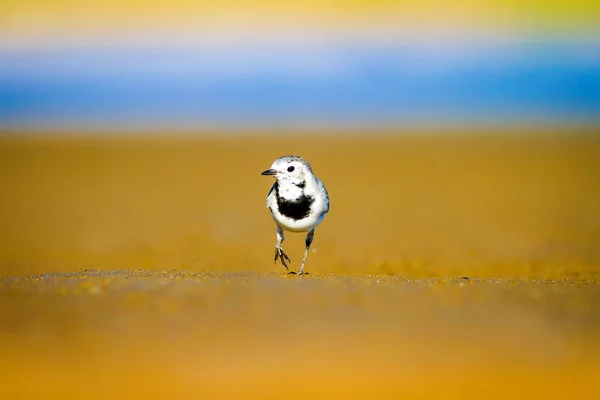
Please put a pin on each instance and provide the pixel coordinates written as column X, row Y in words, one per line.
column 318, row 209
column 292, row 225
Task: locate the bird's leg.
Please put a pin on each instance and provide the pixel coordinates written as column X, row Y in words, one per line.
column 309, row 239
column 279, row 253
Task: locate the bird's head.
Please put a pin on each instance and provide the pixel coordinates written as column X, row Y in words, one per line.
column 290, row 169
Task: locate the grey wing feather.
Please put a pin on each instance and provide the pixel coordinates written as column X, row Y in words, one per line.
column 324, row 190
column 271, row 191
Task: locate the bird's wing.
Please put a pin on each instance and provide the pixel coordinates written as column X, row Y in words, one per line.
column 326, row 197
column 271, row 191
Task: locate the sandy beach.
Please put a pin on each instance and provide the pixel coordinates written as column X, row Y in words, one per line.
column 451, row 265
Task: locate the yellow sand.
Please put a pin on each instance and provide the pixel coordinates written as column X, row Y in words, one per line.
column 450, row 266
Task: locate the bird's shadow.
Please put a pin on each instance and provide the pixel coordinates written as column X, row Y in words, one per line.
column 295, row 273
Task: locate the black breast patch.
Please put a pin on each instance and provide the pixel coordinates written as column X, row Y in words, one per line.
column 294, row 209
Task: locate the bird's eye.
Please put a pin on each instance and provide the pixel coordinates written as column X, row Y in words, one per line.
column 290, row 168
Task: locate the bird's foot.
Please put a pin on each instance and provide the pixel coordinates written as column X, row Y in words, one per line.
column 280, row 254
column 300, row 272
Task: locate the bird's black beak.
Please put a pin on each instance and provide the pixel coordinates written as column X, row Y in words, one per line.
column 270, row 172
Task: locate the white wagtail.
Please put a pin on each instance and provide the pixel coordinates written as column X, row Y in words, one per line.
column 298, row 202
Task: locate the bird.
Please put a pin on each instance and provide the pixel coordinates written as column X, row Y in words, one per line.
column 298, row 202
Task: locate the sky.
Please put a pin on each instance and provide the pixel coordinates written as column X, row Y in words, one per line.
column 234, row 64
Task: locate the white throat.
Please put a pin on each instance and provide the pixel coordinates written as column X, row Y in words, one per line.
column 290, row 191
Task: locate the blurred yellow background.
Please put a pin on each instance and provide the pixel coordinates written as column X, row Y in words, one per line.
column 411, row 205
column 526, row 17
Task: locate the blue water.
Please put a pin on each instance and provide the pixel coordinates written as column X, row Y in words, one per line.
column 261, row 87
